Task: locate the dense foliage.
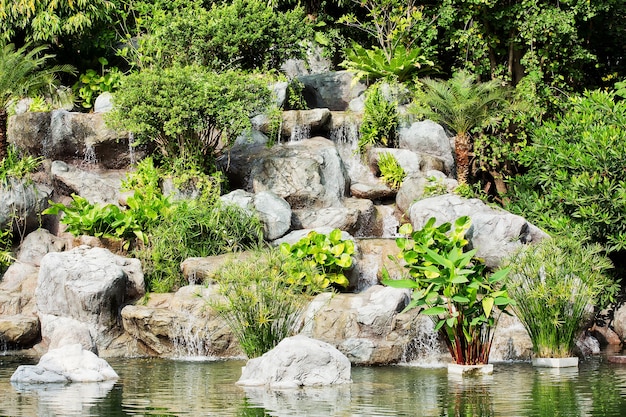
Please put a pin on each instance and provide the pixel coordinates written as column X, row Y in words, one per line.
column 188, row 111
column 453, row 286
column 555, row 284
column 575, row 178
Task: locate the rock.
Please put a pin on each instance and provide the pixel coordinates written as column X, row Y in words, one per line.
column 335, row 217
column 97, row 187
column 273, row 211
column 70, row 363
column 296, row 235
column 367, row 217
column 415, row 188
column 21, row 202
column 202, row 270
column 59, row 331
column 180, row 324
column 495, row 233
column 297, row 361
column 301, row 124
column 103, row 103
column 38, row 244
column 89, row 286
column 619, row 322
column 20, row 331
column 510, row 341
column 307, row 174
column 429, row 138
column 332, row 90
column 362, row 325
column 279, row 89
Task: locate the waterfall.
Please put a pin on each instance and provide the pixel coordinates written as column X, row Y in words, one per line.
column 132, row 158
column 89, row 156
column 390, row 223
column 300, row 132
column 192, row 341
column 424, row 350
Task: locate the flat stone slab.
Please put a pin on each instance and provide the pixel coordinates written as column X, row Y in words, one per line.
column 470, row 370
column 617, row 359
column 555, row 362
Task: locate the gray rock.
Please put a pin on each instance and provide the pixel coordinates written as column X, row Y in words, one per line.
column 97, row 187
column 301, row 124
column 414, row 188
column 429, row 138
column 495, row 233
column 279, row 90
column 38, row 244
column 297, row 361
column 21, row 202
column 332, row 90
column 70, row 363
column 89, row 286
column 21, row 331
column 335, row 217
column 296, row 235
column 103, row 103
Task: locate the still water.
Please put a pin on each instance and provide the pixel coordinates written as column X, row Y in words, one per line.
column 156, row 387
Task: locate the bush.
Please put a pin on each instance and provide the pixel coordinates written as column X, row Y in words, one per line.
column 575, row 178
column 260, row 306
column 187, row 112
column 317, row 261
column 194, row 229
column 453, row 286
column 16, row 166
column 556, row 283
column 243, row 34
column 380, row 119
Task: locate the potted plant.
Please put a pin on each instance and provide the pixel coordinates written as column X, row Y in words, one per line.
column 453, row 286
column 557, row 283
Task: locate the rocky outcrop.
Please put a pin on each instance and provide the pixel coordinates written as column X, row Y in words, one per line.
column 428, row 137
column 70, row 363
column 96, row 187
column 84, row 289
column 495, row 233
column 331, row 90
column 21, row 202
column 298, row 361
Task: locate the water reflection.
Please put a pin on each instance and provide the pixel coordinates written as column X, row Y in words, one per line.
column 151, row 387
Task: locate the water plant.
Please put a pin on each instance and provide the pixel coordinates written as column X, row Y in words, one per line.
column 317, row 261
column 557, row 283
column 453, row 287
column 391, row 172
column 260, row 306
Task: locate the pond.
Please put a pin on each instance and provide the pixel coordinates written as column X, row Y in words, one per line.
column 157, row 387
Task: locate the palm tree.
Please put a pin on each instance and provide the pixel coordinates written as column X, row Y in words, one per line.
column 22, row 73
column 462, row 104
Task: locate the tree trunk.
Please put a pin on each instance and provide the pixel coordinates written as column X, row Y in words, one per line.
column 3, row 134
column 462, row 145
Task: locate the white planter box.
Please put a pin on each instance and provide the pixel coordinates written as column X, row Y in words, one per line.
column 470, row 370
column 556, row 362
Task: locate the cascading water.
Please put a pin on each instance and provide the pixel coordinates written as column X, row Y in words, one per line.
column 132, row 158
column 191, row 341
column 300, row 132
column 425, row 349
column 89, row 156
column 390, row 223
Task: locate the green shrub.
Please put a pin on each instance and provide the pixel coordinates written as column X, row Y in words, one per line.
column 556, row 283
column 243, row 34
column 575, row 172
column 194, row 229
column 380, row 119
column 295, row 97
column 317, row 261
column 453, row 286
column 188, row 112
column 390, row 170
column 260, row 307
column 16, row 166
column 92, row 83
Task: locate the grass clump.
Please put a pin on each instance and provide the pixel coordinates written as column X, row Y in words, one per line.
column 556, row 284
column 259, row 305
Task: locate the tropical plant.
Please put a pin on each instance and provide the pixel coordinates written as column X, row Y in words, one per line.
column 463, row 104
column 556, row 284
column 23, row 73
column 260, row 306
column 317, row 261
column 391, row 172
column 194, row 229
column 15, row 166
column 380, row 120
column 573, row 181
column 453, row 287
column 187, row 111
column 92, row 83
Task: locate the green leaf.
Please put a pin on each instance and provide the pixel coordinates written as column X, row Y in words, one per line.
column 487, row 303
column 460, row 299
column 401, row 283
column 435, row 311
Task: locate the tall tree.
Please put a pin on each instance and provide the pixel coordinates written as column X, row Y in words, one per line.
column 23, row 73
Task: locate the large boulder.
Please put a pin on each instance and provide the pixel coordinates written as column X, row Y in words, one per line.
column 21, row 331
column 415, row 188
column 96, row 186
column 70, row 363
column 495, row 233
column 180, row 325
column 69, row 135
column 428, row 137
column 21, row 202
column 89, row 286
column 301, row 124
column 331, row 90
column 298, row 361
